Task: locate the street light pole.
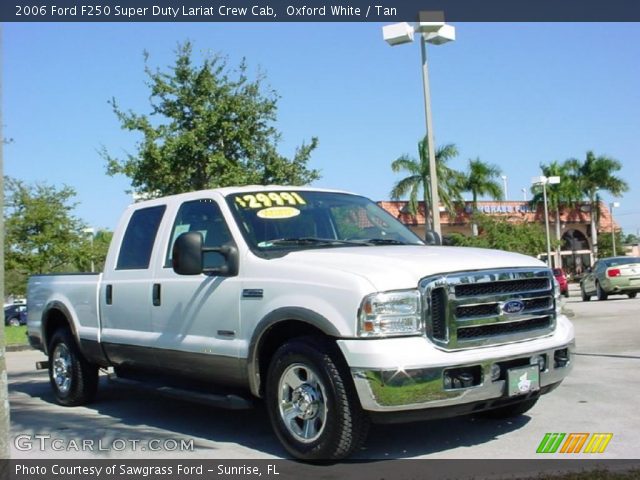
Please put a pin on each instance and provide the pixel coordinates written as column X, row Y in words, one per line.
column 430, row 29
column 544, row 181
column 546, row 222
column 505, row 190
column 613, row 229
column 90, row 231
column 433, row 174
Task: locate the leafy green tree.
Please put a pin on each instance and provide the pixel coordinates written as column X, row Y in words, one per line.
column 596, row 174
column 605, row 244
column 209, row 126
column 419, row 179
column 526, row 238
column 565, row 193
column 94, row 251
column 481, row 179
column 631, row 239
column 41, row 233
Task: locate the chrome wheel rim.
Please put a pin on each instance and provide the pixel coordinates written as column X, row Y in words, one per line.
column 62, row 368
column 302, row 403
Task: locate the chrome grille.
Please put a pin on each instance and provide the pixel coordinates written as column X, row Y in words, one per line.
column 467, row 309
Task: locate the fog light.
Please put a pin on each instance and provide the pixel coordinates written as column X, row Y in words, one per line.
column 540, row 360
column 495, row 372
column 560, row 358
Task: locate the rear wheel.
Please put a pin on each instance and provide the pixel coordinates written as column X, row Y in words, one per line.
column 600, row 293
column 312, row 403
column 512, row 410
column 73, row 379
column 585, row 297
column 632, row 295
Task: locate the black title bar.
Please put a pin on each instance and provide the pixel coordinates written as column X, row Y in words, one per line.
column 317, row 10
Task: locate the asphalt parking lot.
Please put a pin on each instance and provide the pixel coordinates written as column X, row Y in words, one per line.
column 601, row 395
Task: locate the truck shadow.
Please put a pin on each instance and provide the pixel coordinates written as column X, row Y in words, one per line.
column 129, row 414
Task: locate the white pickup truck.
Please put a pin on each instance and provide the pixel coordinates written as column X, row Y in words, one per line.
column 318, row 302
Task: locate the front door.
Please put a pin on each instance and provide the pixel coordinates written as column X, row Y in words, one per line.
column 196, row 318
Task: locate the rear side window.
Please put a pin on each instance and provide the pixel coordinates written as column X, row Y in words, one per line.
column 137, row 244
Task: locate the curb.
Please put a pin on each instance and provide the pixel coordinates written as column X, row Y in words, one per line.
column 17, row 348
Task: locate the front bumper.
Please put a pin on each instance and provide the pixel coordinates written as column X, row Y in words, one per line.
column 408, row 373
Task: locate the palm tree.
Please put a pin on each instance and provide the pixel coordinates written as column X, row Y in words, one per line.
column 482, row 179
column 567, row 192
column 449, row 180
column 595, row 174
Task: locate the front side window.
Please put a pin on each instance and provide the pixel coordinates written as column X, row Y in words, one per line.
column 290, row 220
column 137, row 244
column 202, row 216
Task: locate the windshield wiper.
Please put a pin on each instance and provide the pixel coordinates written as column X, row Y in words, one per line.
column 308, row 241
column 382, row 241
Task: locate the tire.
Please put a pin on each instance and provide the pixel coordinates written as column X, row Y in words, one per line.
column 512, row 410
column 600, row 293
column 583, row 294
column 14, row 322
column 312, row 403
column 632, row 295
column 73, row 379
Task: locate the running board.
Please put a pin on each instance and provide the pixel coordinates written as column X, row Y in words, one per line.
column 228, row 401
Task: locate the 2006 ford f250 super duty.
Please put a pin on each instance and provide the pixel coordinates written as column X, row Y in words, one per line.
column 317, row 301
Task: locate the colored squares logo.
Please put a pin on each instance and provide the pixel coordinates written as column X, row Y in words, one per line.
column 574, row 442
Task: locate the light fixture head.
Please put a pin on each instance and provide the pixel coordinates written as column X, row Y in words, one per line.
column 538, row 180
column 553, row 180
column 446, row 33
column 398, row 33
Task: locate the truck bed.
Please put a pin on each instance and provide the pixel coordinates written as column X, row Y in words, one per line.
column 77, row 289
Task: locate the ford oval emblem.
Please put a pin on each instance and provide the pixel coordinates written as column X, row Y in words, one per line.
column 512, row 307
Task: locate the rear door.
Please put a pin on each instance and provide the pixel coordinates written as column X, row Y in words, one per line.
column 126, row 292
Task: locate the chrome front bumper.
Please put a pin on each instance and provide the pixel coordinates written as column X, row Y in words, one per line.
column 391, row 390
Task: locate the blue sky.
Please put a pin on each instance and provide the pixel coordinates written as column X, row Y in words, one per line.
column 512, row 94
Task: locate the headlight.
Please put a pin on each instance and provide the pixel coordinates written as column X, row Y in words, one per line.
column 390, row 313
column 556, row 296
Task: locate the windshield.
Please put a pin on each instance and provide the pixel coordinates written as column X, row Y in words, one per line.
column 290, row 220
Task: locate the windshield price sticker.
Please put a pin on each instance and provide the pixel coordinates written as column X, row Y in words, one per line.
column 271, row 213
column 269, row 199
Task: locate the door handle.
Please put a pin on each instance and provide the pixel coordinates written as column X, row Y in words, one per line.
column 109, row 295
column 156, row 295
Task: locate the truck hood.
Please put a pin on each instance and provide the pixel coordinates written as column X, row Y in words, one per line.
column 399, row 267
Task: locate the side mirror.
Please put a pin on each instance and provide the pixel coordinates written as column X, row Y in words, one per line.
column 589, row 270
column 432, row 238
column 188, row 256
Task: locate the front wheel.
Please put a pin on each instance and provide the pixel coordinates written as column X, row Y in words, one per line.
column 14, row 322
column 73, row 379
column 312, row 403
column 585, row 297
column 632, row 295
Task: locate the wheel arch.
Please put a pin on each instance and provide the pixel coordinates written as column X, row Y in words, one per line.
column 276, row 328
column 54, row 316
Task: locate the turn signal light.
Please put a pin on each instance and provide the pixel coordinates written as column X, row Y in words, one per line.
column 613, row 272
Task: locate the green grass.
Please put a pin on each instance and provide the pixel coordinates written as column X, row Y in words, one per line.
column 16, row 335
